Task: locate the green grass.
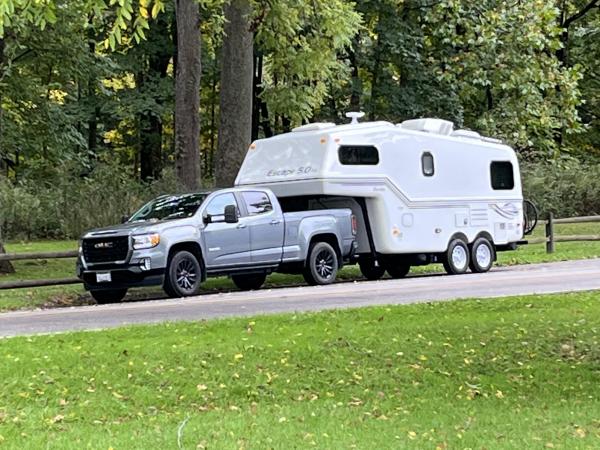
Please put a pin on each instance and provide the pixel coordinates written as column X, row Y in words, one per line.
column 70, row 295
column 506, row 373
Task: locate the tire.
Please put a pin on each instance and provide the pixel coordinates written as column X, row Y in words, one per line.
column 250, row 281
column 108, row 296
column 369, row 270
column 321, row 264
column 398, row 270
column 184, row 275
column 482, row 255
column 456, row 261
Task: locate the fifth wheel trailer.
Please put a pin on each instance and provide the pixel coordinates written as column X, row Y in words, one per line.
column 422, row 191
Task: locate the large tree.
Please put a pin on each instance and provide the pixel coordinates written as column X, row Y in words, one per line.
column 187, row 93
column 236, row 92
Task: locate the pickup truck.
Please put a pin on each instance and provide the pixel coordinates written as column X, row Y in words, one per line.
column 177, row 241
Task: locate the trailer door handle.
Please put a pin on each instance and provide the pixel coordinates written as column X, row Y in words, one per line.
column 241, row 225
column 274, row 222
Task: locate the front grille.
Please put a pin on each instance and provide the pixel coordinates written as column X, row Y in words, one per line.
column 105, row 249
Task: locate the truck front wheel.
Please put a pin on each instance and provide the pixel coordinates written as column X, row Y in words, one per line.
column 321, row 265
column 250, row 281
column 184, row 275
column 108, row 295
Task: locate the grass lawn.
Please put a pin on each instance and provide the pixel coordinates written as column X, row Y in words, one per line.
column 512, row 373
column 74, row 294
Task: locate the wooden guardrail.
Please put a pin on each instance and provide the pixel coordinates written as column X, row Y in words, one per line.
column 549, row 240
column 38, row 283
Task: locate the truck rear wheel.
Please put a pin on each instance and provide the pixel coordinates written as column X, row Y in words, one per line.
column 398, row 270
column 184, row 275
column 321, row 264
column 369, row 270
column 108, row 295
column 250, row 281
column 456, row 260
column 482, row 255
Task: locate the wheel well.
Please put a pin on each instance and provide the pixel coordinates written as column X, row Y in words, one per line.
column 332, row 240
column 193, row 248
column 460, row 236
column 486, row 235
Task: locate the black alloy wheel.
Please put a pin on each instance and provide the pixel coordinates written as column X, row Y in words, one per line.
column 369, row 270
column 184, row 275
column 322, row 264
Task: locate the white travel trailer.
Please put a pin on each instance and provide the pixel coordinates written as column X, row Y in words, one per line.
column 422, row 191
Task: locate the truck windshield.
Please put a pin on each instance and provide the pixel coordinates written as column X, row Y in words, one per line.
column 168, row 207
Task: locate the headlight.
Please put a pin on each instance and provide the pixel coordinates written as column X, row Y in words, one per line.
column 142, row 241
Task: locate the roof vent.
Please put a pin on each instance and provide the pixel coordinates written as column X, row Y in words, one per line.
column 314, row 126
column 355, row 116
column 435, row 126
column 467, row 134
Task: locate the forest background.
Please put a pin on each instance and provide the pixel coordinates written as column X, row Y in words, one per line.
column 105, row 104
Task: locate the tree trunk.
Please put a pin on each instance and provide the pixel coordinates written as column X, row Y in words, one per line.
column 187, row 94
column 5, row 266
column 236, row 93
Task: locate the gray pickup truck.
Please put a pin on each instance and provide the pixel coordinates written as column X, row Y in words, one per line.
column 178, row 241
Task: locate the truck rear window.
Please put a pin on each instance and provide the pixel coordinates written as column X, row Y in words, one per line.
column 356, row 155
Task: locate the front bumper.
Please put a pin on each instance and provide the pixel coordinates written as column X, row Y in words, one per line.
column 122, row 276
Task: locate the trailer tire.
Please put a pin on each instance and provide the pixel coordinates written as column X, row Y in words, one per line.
column 456, row 260
column 105, row 296
column 369, row 270
column 183, row 275
column 482, row 255
column 249, row 282
column 321, row 264
column 398, row 270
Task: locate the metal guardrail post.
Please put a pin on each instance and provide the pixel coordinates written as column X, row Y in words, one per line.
column 550, row 234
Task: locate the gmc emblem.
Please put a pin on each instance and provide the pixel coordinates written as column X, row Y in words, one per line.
column 103, row 245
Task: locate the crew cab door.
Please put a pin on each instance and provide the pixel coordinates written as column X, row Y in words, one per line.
column 266, row 227
column 225, row 244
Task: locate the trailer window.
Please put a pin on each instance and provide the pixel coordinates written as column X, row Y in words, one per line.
column 427, row 164
column 502, row 175
column 356, row 155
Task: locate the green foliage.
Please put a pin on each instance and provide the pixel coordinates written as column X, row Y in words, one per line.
column 300, row 43
column 67, row 204
column 566, row 188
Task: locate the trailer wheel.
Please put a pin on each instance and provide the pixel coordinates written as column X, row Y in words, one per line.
column 108, row 295
column 250, row 281
column 369, row 270
column 456, row 260
column 321, row 264
column 482, row 255
column 398, row 270
column 183, row 276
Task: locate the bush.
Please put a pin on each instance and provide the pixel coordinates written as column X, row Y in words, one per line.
column 565, row 188
column 71, row 204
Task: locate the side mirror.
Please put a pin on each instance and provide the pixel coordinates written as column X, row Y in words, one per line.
column 124, row 218
column 231, row 214
column 207, row 219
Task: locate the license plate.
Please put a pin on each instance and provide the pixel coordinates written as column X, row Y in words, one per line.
column 103, row 277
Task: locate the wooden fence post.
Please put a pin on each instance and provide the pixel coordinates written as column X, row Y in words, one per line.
column 550, row 234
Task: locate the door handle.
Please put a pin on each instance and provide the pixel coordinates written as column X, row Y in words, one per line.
column 274, row 222
column 241, row 225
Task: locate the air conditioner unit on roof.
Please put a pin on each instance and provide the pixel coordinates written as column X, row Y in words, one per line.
column 435, row 126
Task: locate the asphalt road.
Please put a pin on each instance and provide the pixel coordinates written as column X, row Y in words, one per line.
column 502, row 281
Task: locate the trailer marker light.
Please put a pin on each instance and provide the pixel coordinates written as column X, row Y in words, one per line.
column 323, row 140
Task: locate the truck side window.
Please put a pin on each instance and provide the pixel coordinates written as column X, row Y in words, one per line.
column 216, row 207
column 427, row 164
column 257, row 202
column 355, row 155
column 502, row 175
